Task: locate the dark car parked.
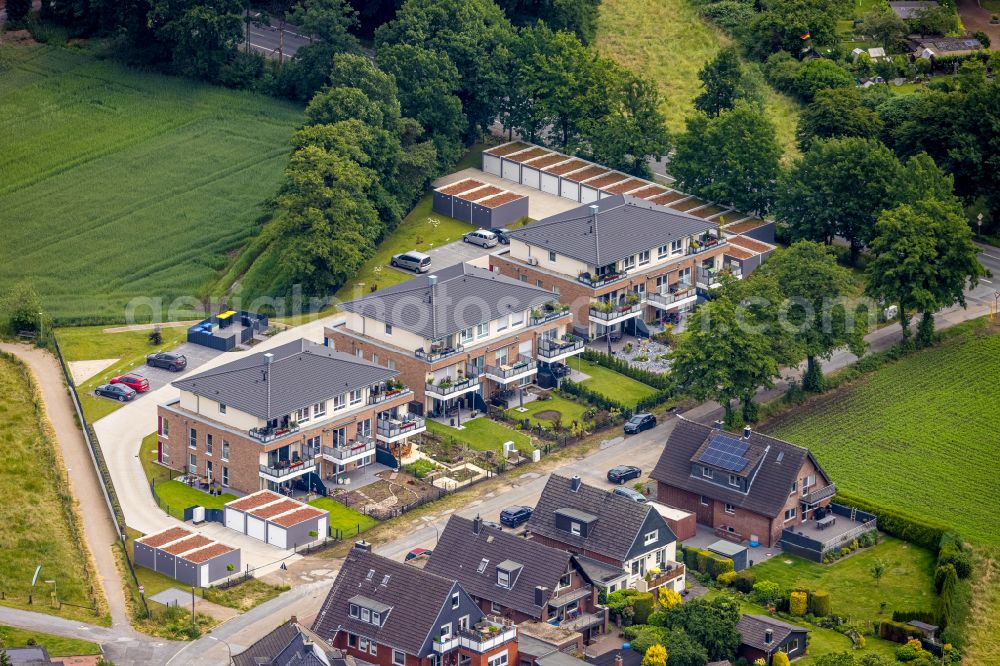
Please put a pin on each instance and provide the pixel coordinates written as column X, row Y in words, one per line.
column 170, row 361
column 639, row 422
column 514, row 516
column 118, row 392
column 622, row 473
column 503, row 235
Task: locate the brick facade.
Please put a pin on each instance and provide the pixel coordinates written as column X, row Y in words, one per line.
column 383, row 653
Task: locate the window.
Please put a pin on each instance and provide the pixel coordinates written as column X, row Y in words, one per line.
column 193, row 439
column 225, row 476
column 388, row 329
column 651, row 537
column 208, row 443
column 706, row 472
column 502, row 324
column 661, row 557
column 465, row 336
column 362, row 644
column 566, row 579
column 455, row 600
column 164, row 427
column 360, row 353
column 319, row 409
column 193, row 464
column 354, row 611
column 791, row 646
column 338, row 402
column 539, row 284
column 704, row 501
column 808, row 482
column 502, row 355
column 614, row 586
column 366, row 615
column 355, row 396
column 222, row 408
column 635, row 568
column 498, row 659
column 734, row 480
column 445, row 631
column 398, row 658
column 352, row 640
column 503, row 579
column 644, row 257
column 391, row 364
column 789, row 514
column 795, row 486
column 574, row 529
column 208, row 470
column 662, row 252
column 730, row 508
column 225, row 450
column 482, row 564
column 463, row 623
column 628, row 263
column 676, row 247
column 373, row 648
column 482, row 330
column 495, row 608
column 524, row 278
column 517, row 318
column 552, row 255
column 376, row 619
column 302, row 415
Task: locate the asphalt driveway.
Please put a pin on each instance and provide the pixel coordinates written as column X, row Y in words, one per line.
column 197, row 356
column 451, row 254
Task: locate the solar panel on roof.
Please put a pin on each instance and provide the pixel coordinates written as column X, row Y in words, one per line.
column 726, row 452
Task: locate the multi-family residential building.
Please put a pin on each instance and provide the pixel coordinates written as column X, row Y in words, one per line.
column 623, row 261
column 747, row 487
column 384, row 612
column 458, row 337
column 619, row 542
column 517, row 579
column 300, row 414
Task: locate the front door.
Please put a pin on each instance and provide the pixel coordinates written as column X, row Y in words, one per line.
column 159, row 452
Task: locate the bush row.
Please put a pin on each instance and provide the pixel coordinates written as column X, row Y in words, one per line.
column 654, row 379
column 706, row 562
column 897, row 523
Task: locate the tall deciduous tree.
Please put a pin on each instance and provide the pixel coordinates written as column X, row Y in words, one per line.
column 782, row 25
column 710, row 623
column 576, row 16
column 837, row 112
column 331, row 22
column 17, row 11
column 22, row 307
column 885, row 26
column 733, row 158
column 722, row 79
column 201, row 37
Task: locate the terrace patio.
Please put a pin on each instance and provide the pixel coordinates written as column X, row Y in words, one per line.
column 839, row 527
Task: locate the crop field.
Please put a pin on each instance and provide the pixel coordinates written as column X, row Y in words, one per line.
column 920, row 434
column 117, row 184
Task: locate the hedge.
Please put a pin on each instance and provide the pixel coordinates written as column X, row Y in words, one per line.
column 706, row 562
column 719, row 565
column 819, row 603
column 647, row 377
column 905, row 616
column 952, row 551
column 798, row 603
column 642, row 604
column 897, row 523
column 897, row 632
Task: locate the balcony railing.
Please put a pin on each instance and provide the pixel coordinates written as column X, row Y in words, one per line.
column 282, row 468
column 269, row 434
column 385, row 396
column 453, row 386
column 706, row 245
column 670, row 298
column 668, row 571
column 350, row 449
column 617, row 312
column 391, row 428
column 553, row 347
column 476, row 640
column 819, row 494
column 597, row 281
column 708, row 276
column 544, row 316
column 438, row 353
column 523, row 365
column 583, row 621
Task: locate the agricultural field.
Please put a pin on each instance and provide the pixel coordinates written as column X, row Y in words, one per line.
column 668, row 42
column 127, row 184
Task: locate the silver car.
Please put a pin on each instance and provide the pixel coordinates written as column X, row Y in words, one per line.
column 482, row 238
column 412, row 261
column 628, row 493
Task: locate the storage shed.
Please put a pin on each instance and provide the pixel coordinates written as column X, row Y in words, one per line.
column 186, row 556
column 737, row 553
column 684, row 524
column 277, row 520
column 475, row 202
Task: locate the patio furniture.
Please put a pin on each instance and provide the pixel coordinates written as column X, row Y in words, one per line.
column 826, row 521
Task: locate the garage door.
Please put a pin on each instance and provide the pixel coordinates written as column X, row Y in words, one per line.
column 491, row 164
column 550, row 184
column 256, row 528
column 588, row 194
column 529, row 177
column 512, row 171
column 234, row 520
column 570, row 190
column 277, row 536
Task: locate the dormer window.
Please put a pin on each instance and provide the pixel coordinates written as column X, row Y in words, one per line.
column 366, row 615
column 574, row 529
column 503, row 579
column 376, row 619
column 371, row 574
column 706, row 472
column 734, row 480
column 354, row 611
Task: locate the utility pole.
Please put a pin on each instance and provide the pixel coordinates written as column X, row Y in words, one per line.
column 193, row 625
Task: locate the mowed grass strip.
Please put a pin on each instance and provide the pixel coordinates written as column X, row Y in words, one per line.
column 483, row 434
column 668, row 42
column 57, row 646
column 543, row 412
column 610, row 384
column 35, row 503
column 128, row 184
column 343, row 518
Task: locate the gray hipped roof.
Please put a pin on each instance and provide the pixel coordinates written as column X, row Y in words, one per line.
column 624, row 226
column 460, row 550
column 301, row 374
column 464, row 296
column 770, row 484
column 753, row 627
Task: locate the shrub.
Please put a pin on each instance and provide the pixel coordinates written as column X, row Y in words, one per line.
column 951, row 553
column 668, row 599
column 643, row 637
column 906, row 616
column 642, row 603
column 946, row 602
column 766, row 592
column 905, row 653
column 819, row 603
column 701, row 560
column 719, row 565
column 798, row 603
column 780, row 659
column 897, row 632
column 845, row 551
column 941, row 573
column 420, row 468
column 744, row 581
column 869, row 539
column 726, row 578
column 656, row 655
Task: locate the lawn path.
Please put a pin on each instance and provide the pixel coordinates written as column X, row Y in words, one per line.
column 97, row 524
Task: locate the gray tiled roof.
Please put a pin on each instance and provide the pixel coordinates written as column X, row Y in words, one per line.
column 598, row 572
column 624, row 226
column 415, row 595
column 464, row 296
column 460, row 550
column 288, row 644
column 752, row 628
column 619, row 520
column 770, row 483
column 301, row 373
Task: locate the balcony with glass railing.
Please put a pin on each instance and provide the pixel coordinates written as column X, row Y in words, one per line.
column 349, row 451
column 392, row 429
column 603, row 312
column 449, row 388
column 301, row 462
column 679, row 294
column 551, row 350
column 478, row 639
column 523, row 366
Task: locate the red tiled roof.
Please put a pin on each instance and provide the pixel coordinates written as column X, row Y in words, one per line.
column 507, row 149
column 591, row 172
column 460, row 186
column 529, row 155
column 709, row 211
column 300, row 516
column 259, row 498
column 549, row 160
column 744, row 226
column 624, row 186
column 649, row 192
column 738, row 252
column 275, row 509
column 205, row 554
column 665, row 199
column 750, row 244
column 197, row 541
column 501, row 199
column 604, row 181
column 476, row 195
column 166, row 536
column 566, row 168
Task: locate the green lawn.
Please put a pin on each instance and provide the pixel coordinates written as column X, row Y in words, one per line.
column 57, row 646
column 483, row 434
column 668, row 42
column 569, row 411
column 933, row 420
column 127, row 184
column 343, row 518
column 176, row 496
column 611, row 384
column 85, row 343
column 908, row 583
column 40, row 524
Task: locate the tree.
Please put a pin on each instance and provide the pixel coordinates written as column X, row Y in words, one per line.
column 923, row 259
column 710, row 623
column 576, row 16
column 838, row 188
column 17, row 11
column 815, row 289
column 733, row 159
column 23, row 308
column 837, row 112
column 877, row 569
column 819, row 74
column 937, row 20
column 682, row 650
column 723, row 81
column 782, row 24
column 885, row 26
column 5, row 658
column 201, row 37
column 656, row 655
column 780, row 659
column 331, row 22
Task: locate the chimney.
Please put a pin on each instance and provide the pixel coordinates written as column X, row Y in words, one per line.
column 293, row 620
column 746, row 432
column 575, row 483
column 593, row 217
column 268, row 358
column 618, row 660
column 768, row 636
column 363, row 545
column 477, row 524
column 718, row 425
column 541, row 593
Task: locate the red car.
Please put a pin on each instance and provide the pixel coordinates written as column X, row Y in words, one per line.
column 137, row 383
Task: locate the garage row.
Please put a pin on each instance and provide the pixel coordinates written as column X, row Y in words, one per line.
column 277, row 520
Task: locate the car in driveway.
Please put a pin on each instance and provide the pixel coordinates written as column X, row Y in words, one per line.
column 630, row 494
column 515, row 516
column 167, row 360
column 417, row 553
column 503, row 235
column 118, row 392
column 621, row 473
column 639, row 422
column 137, row 383
column 418, row 262
column 481, row 237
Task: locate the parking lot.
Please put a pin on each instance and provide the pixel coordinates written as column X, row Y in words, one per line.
column 451, row 254
column 159, row 377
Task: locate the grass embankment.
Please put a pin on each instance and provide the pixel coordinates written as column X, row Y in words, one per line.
column 125, row 183
column 57, row 646
column 86, row 343
column 668, row 42
column 345, row 519
column 610, row 384
column 39, row 514
column 483, row 434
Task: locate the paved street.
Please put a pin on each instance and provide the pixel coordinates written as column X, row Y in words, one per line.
column 276, row 37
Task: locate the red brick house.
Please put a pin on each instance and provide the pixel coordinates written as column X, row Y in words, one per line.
column 385, row 612
column 746, row 486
